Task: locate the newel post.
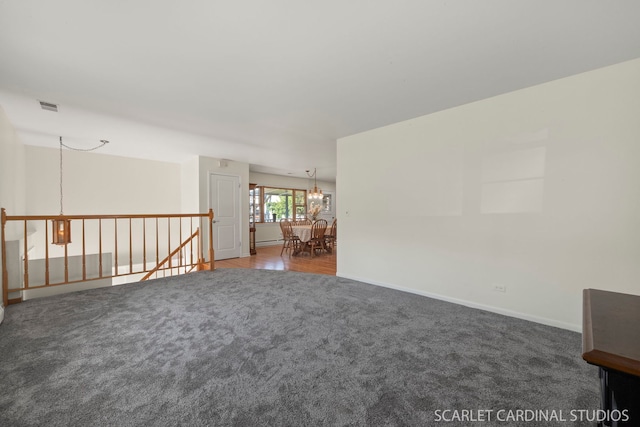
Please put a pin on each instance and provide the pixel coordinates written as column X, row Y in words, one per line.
column 5, row 274
column 211, row 239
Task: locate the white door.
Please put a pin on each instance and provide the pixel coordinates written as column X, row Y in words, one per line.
column 224, row 199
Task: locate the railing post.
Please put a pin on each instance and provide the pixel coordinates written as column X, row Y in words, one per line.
column 144, row 244
column 100, row 246
column 46, row 252
column 115, row 246
column 211, row 239
column 84, row 253
column 5, row 273
column 25, row 273
column 130, row 248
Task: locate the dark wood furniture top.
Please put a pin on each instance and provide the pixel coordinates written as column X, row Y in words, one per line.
column 611, row 330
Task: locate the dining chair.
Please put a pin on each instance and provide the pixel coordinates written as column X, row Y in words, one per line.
column 318, row 229
column 291, row 242
column 331, row 236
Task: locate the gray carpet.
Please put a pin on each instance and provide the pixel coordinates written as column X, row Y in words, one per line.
column 253, row 348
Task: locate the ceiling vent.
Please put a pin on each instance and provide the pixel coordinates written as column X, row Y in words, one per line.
column 49, row 106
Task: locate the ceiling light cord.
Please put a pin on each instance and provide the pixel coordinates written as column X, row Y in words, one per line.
column 61, row 144
column 103, row 142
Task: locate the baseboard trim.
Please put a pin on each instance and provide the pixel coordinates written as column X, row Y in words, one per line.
column 1, row 314
column 268, row 243
column 14, row 300
column 471, row 304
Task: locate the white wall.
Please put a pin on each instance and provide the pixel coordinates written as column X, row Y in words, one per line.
column 190, row 191
column 12, row 169
column 12, row 178
column 535, row 190
column 98, row 184
column 95, row 183
column 269, row 233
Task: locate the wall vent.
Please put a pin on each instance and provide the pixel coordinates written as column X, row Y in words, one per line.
column 49, row 106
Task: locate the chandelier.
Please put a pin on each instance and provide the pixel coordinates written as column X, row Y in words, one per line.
column 316, row 194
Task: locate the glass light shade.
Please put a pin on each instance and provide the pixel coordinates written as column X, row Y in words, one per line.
column 315, row 194
column 61, row 231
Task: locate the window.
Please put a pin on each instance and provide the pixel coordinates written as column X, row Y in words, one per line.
column 327, row 204
column 255, row 202
column 279, row 203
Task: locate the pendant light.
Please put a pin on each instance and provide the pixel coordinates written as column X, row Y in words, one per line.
column 316, row 194
column 61, row 226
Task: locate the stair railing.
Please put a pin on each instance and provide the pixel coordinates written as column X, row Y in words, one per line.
column 101, row 247
column 169, row 258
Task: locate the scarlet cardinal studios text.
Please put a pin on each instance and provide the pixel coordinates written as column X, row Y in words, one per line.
column 530, row 415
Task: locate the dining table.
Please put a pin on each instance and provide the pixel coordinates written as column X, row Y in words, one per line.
column 303, row 232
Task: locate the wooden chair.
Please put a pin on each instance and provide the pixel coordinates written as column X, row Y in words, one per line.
column 290, row 240
column 331, row 236
column 318, row 229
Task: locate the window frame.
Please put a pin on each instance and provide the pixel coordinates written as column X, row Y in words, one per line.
column 294, row 193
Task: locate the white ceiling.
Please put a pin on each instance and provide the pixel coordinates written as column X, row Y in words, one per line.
column 275, row 83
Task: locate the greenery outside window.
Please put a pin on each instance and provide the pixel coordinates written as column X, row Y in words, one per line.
column 279, row 203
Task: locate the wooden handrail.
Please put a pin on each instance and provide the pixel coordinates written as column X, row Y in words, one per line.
column 175, row 251
column 91, row 237
column 134, row 216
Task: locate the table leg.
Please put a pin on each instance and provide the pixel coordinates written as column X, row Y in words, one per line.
column 618, row 392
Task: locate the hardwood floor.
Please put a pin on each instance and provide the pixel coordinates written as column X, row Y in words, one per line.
column 268, row 258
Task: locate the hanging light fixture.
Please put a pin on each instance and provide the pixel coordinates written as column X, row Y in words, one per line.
column 61, row 226
column 316, row 194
